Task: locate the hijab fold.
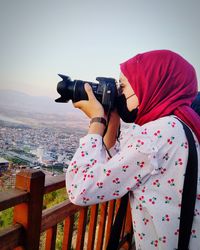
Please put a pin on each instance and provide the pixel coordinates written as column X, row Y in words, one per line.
column 165, row 84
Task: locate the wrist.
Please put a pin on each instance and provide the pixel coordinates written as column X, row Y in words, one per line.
column 99, row 119
column 96, row 128
column 97, row 125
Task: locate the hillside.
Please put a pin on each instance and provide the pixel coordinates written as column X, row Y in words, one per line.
column 21, row 108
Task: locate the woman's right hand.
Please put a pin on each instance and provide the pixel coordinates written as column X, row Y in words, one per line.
column 91, row 107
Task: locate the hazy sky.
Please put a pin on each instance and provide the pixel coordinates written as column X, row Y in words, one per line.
column 85, row 39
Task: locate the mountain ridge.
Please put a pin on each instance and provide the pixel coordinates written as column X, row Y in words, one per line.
column 23, row 108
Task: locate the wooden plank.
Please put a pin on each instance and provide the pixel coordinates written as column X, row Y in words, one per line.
column 54, row 215
column 117, row 205
column 111, row 211
column 102, row 223
column 81, row 228
column 128, row 230
column 128, row 224
column 51, row 238
column 30, row 214
column 12, row 197
column 54, row 183
column 11, row 237
column 92, row 226
column 123, row 226
column 68, row 232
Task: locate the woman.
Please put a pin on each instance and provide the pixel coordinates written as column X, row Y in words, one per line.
column 150, row 161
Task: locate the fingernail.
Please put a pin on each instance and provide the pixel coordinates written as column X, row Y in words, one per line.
column 87, row 85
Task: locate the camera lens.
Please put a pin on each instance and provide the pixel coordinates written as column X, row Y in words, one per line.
column 105, row 91
column 65, row 88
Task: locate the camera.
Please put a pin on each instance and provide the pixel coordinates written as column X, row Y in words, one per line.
column 105, row 91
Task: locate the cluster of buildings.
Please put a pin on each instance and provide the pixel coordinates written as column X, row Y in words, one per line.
column 4, row 164
column 40, row 146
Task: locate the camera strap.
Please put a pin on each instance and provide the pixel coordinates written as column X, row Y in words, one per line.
column 189, row 192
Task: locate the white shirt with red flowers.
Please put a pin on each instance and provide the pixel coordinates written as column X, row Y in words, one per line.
column 150, row 162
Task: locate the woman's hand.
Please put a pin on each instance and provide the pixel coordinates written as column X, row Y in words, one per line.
column 92, row 107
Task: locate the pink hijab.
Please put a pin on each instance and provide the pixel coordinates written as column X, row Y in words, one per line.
column 165, row 84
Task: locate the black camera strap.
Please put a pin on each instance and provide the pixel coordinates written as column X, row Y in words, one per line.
column 189, row 192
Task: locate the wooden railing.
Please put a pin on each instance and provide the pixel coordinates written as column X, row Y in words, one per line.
column 29, row 220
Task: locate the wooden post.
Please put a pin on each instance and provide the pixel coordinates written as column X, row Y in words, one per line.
column 128, row 229
column 92, row 226
column 29, row 214
column 111, row 211
column 81, row 228
column 51, row 238
column 68, row 232
column 102, row 224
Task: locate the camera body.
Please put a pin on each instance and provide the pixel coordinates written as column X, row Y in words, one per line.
column 105, row 91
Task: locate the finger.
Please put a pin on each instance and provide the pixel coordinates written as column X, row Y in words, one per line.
column 89, row 91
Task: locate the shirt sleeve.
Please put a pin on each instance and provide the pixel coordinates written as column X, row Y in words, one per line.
column 93, row 178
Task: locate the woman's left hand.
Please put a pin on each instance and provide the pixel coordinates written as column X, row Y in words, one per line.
column 92, row 107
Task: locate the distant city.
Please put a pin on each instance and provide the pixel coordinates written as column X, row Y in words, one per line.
column 40, row 138
column 40, row 146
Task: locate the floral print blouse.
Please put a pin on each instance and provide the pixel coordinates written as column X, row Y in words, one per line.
column 150, row 163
